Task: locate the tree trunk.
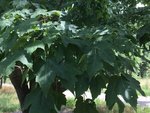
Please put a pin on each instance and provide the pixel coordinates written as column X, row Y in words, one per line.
column 21, row 88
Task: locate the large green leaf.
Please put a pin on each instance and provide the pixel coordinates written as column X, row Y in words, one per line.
column 5, row 23
column 95, row 62
column 7, row 65
column 106, row 52
column 128, row 94
column 120, row 86
column 38, row 103
column 112, row 91
column 9, row 40
column 135, row 84
column 143, row 34
column 121, row 105
column 26, row 26
column 45, row 77
column 66, row 72
column 82, row 44
column 96, row 85
column 32, row 46
column 59, row 99
column 82, row 84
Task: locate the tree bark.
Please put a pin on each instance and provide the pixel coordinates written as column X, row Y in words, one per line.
column 21, row 88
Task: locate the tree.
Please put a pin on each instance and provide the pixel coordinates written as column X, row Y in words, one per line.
column 48, row 46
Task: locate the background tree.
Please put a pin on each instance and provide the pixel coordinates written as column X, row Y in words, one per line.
column 47, row 47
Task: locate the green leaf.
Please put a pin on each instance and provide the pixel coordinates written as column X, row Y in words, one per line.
column 26, row 26
column 94, row 62
column 82, row 44
column 106, row 52
column 108, row 56
column 9, row 62
column 59, row 99
column 45, row 77
column 5, row 23
column 9, row 40
column 82, row 84
column 39, row 12
column 20, row 43
column 100, row 83
column 112, row 91
column 143, row 34
column 128, row 94
column 20, row 3
column 65, row 71
column 32, row 46
column 37, row 102
column 85, row 106
column 134, row 84
column 121, row 105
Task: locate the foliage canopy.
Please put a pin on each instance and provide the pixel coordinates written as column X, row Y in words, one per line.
column 75, row 45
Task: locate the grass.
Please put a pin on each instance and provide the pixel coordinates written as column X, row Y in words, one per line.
column 8, row 100
column 145, row 84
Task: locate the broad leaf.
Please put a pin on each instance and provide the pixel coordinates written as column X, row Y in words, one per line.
column 83, row 45
column 112, row 91
column 59, row 99
column 32, row 46
column 106, row 52
column 128, row 94
column 7, row 64
column 96, row 85
column 121, row 105
column 134, row 84
column 26, row 26
column 82, row 84
column 36, row 99
column 9, row 40
column 66, row 72
column 95, row 62
column 120, row 86
column 45, row 77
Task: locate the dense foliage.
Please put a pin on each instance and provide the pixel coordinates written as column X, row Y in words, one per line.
column 75, row 45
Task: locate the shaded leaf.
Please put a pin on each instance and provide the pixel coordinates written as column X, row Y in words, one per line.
column 35, row 99
column 82, row 44
column 45, row 77
column 7, row 64
column 134, row 84
column 82, row 84
column 112, row 91
column 96, row 85
column 85, row 106
column 59, row 99
column 66, row 72
column 26, row 26
column 121, row 105
column 31, row 47
column 94, row 62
